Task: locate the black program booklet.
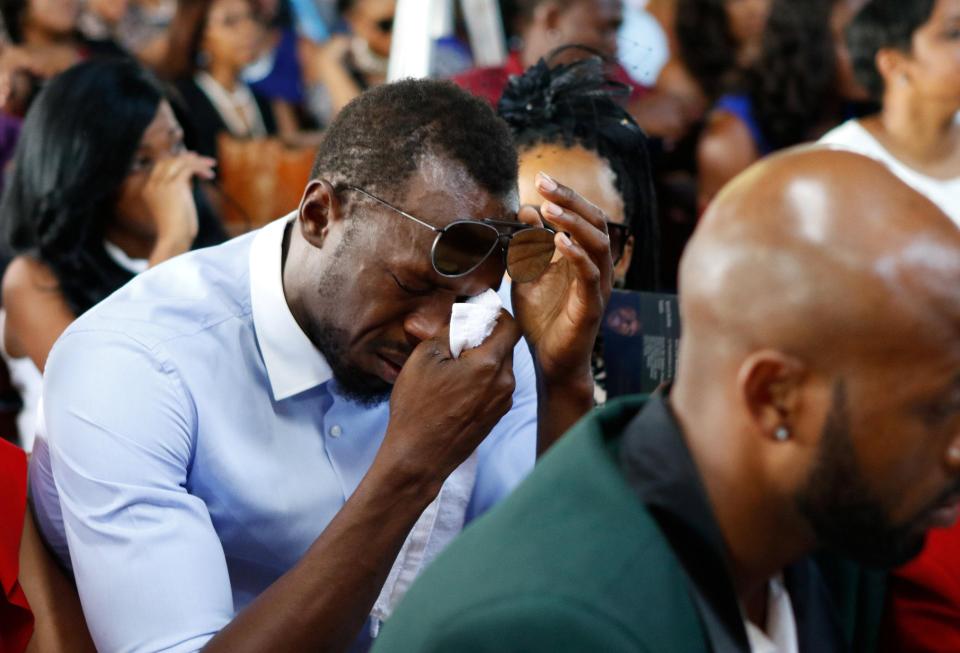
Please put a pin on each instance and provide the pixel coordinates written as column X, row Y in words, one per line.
column 640, row 336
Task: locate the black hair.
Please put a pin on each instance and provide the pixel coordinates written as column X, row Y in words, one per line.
column 707, row 47
column 12, row 12
column 880, row 25
column 76, row 147
column 379, row 140
column 576, row 104
column 793, row 83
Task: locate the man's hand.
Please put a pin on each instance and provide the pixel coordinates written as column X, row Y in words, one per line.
column 560, row 313
column 441, row 408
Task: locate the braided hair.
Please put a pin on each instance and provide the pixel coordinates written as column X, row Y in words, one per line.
column 575, row 104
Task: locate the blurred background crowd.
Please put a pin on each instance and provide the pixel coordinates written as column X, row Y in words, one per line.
column 246, row 87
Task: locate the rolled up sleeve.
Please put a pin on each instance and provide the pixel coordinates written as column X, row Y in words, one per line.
column 149, row 566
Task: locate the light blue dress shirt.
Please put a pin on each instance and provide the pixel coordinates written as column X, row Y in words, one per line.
column 199, row 446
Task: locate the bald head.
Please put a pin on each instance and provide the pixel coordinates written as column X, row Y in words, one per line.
column 818, row 253
column 819, row 381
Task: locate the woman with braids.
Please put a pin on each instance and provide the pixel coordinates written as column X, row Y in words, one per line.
column 793, row 93
column 101, row 189
column 567, row 122
column 907, row 54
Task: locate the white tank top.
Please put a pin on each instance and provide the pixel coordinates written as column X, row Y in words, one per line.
column 945, row 193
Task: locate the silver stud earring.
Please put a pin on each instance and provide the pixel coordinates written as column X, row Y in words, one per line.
column 782, row 434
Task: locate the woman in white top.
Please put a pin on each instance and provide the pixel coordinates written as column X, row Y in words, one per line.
column 908, row 55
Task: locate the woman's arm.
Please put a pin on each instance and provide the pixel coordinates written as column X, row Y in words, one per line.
column 725, row 150
column 59, row 623
column 36, row 311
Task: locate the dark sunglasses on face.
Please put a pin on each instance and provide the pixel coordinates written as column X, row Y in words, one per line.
column 385, row 25
column 619, row 234
column 463, row 245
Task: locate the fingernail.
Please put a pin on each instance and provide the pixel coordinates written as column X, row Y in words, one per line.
column 545, row 182
column 552, row 209
column 565, row 239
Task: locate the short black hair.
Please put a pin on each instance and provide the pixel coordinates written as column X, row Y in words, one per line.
column 576, row 104
column 380, row 139
column 880, row 25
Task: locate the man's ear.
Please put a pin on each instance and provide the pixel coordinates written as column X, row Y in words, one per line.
column 770, row 384
column 319, row 209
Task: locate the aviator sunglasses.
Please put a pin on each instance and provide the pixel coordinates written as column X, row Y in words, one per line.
column 463, row 245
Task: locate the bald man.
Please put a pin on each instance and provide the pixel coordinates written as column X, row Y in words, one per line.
column 817, row 405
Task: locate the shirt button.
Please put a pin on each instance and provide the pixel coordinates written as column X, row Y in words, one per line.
column 336, row 431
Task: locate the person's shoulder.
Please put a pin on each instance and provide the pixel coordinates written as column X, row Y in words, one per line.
column 728, row 144
column 850, row 134
column 183, row 296
column 26, row 274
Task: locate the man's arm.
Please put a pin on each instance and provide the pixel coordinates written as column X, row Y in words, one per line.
column 149, row 565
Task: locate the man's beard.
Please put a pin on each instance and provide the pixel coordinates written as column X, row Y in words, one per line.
column 353, row 383
column 837, row 503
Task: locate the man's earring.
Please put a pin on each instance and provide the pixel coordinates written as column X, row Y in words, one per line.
column 782, row 434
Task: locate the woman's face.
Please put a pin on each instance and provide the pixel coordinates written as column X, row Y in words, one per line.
column 746, row 20
column 372, row 20
column 52, row 17
column 587, row 173
column 933, row 66
column 232, row 35
column 162, row 138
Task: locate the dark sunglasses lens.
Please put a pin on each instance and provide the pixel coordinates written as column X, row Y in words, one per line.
column 529, row 254
column 462, row 247
column 385, row 25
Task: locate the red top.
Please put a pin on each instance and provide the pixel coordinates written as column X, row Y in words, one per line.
column 489, row 83
column 16, row 620
column 923, row 609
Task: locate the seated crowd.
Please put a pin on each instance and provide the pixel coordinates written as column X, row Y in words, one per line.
column 235, row 412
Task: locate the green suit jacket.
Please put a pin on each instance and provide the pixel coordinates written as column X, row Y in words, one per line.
column 573, row 561
column 570, row 562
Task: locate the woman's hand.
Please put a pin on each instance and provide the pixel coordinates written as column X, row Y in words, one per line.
column 168, row 195
column 560, row 313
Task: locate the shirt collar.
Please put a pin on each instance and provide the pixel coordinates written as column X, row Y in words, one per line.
column 293, row 363
column 659, row 467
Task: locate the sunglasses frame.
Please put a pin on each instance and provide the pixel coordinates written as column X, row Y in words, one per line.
column 625, row 233
column 503, row 239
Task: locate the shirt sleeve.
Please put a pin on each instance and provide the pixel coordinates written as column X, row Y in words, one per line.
column 149, row 566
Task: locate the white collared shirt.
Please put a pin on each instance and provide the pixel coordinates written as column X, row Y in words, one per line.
column 199, row 445
column 780, row 635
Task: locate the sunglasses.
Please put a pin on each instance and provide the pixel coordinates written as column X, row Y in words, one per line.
column 463, row 245
column 619, row 234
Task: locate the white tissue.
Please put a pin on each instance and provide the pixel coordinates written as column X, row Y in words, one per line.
column 472, row 321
